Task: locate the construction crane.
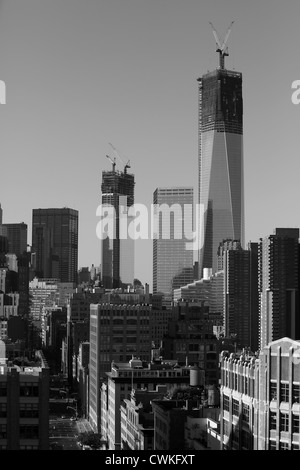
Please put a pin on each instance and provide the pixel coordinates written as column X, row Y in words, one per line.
column 113, row 162
column 126, row 165
column 222, row 49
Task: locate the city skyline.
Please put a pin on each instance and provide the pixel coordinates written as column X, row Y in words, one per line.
column 131, row 78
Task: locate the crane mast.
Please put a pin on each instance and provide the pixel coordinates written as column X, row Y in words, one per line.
column 113, row 162
column 222, row 49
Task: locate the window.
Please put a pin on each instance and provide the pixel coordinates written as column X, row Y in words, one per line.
column 246, row 389
column 295, row 446
column 284, row 446
column 3, row 389
column 28, row 447
column 3, row 432
column 246, row 440
column 295, row 424
column 29, row 389
column 284, row 422
column 245, row 413
column 273, row 391
column 29, row 432
column 225, row 427
column 235, row 407
column 296, row 393
column 235, row 382
column 235, row 434
column 3, row 410
column 284, row 392
column 29, row 410
column 272, row 445
column 225, row 403
column 273, row 420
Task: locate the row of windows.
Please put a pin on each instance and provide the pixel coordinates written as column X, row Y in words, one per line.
column 236, row 409
column 27, row 410
column 29, row 431
column 283, row 446
column 284, row 422
column 237, row 382
column 284, row 390
column 26, row 390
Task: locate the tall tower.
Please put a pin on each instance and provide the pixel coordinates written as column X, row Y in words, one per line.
column 278, row 264
column 221, row 174
column 240, row 292
column 55, row 243
column 118, row 252
column 172, row 261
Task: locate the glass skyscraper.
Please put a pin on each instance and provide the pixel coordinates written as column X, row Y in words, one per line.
column 172, row 261
column 221, row 180
column 117, row 252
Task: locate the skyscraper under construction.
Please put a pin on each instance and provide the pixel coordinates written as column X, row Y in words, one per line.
column 221, row 174
column 117, row 252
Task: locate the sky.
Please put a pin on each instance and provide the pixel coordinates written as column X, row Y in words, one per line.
column 82, row 74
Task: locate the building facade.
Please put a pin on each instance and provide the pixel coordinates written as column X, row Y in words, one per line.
column 260, row 398
column 116, row 333
column 172, row 260
column 24, row 405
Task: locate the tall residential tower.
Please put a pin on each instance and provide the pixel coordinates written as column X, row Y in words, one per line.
column 221, row 178
column 55, row 243
column 279, row 275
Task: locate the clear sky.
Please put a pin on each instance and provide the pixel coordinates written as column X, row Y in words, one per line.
column 83, row 73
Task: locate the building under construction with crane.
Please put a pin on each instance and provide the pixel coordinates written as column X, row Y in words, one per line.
column 117, row 253
column 221, row 177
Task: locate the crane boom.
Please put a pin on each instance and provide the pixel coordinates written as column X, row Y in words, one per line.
column 216, row 36
column 126, row 165
column 227, row 35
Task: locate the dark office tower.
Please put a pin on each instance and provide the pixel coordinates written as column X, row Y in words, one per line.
column 278, row 257
column 55, row 243
column 23, row 278
column 17, row 238
column 172, row 260
column 221, row 179
column 3, row 245
column 240, row 292
column 254, row 296
column 117, row 252
column 237, row 298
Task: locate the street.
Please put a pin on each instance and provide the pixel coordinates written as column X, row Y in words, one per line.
column 64, row 431
column 63, row 434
